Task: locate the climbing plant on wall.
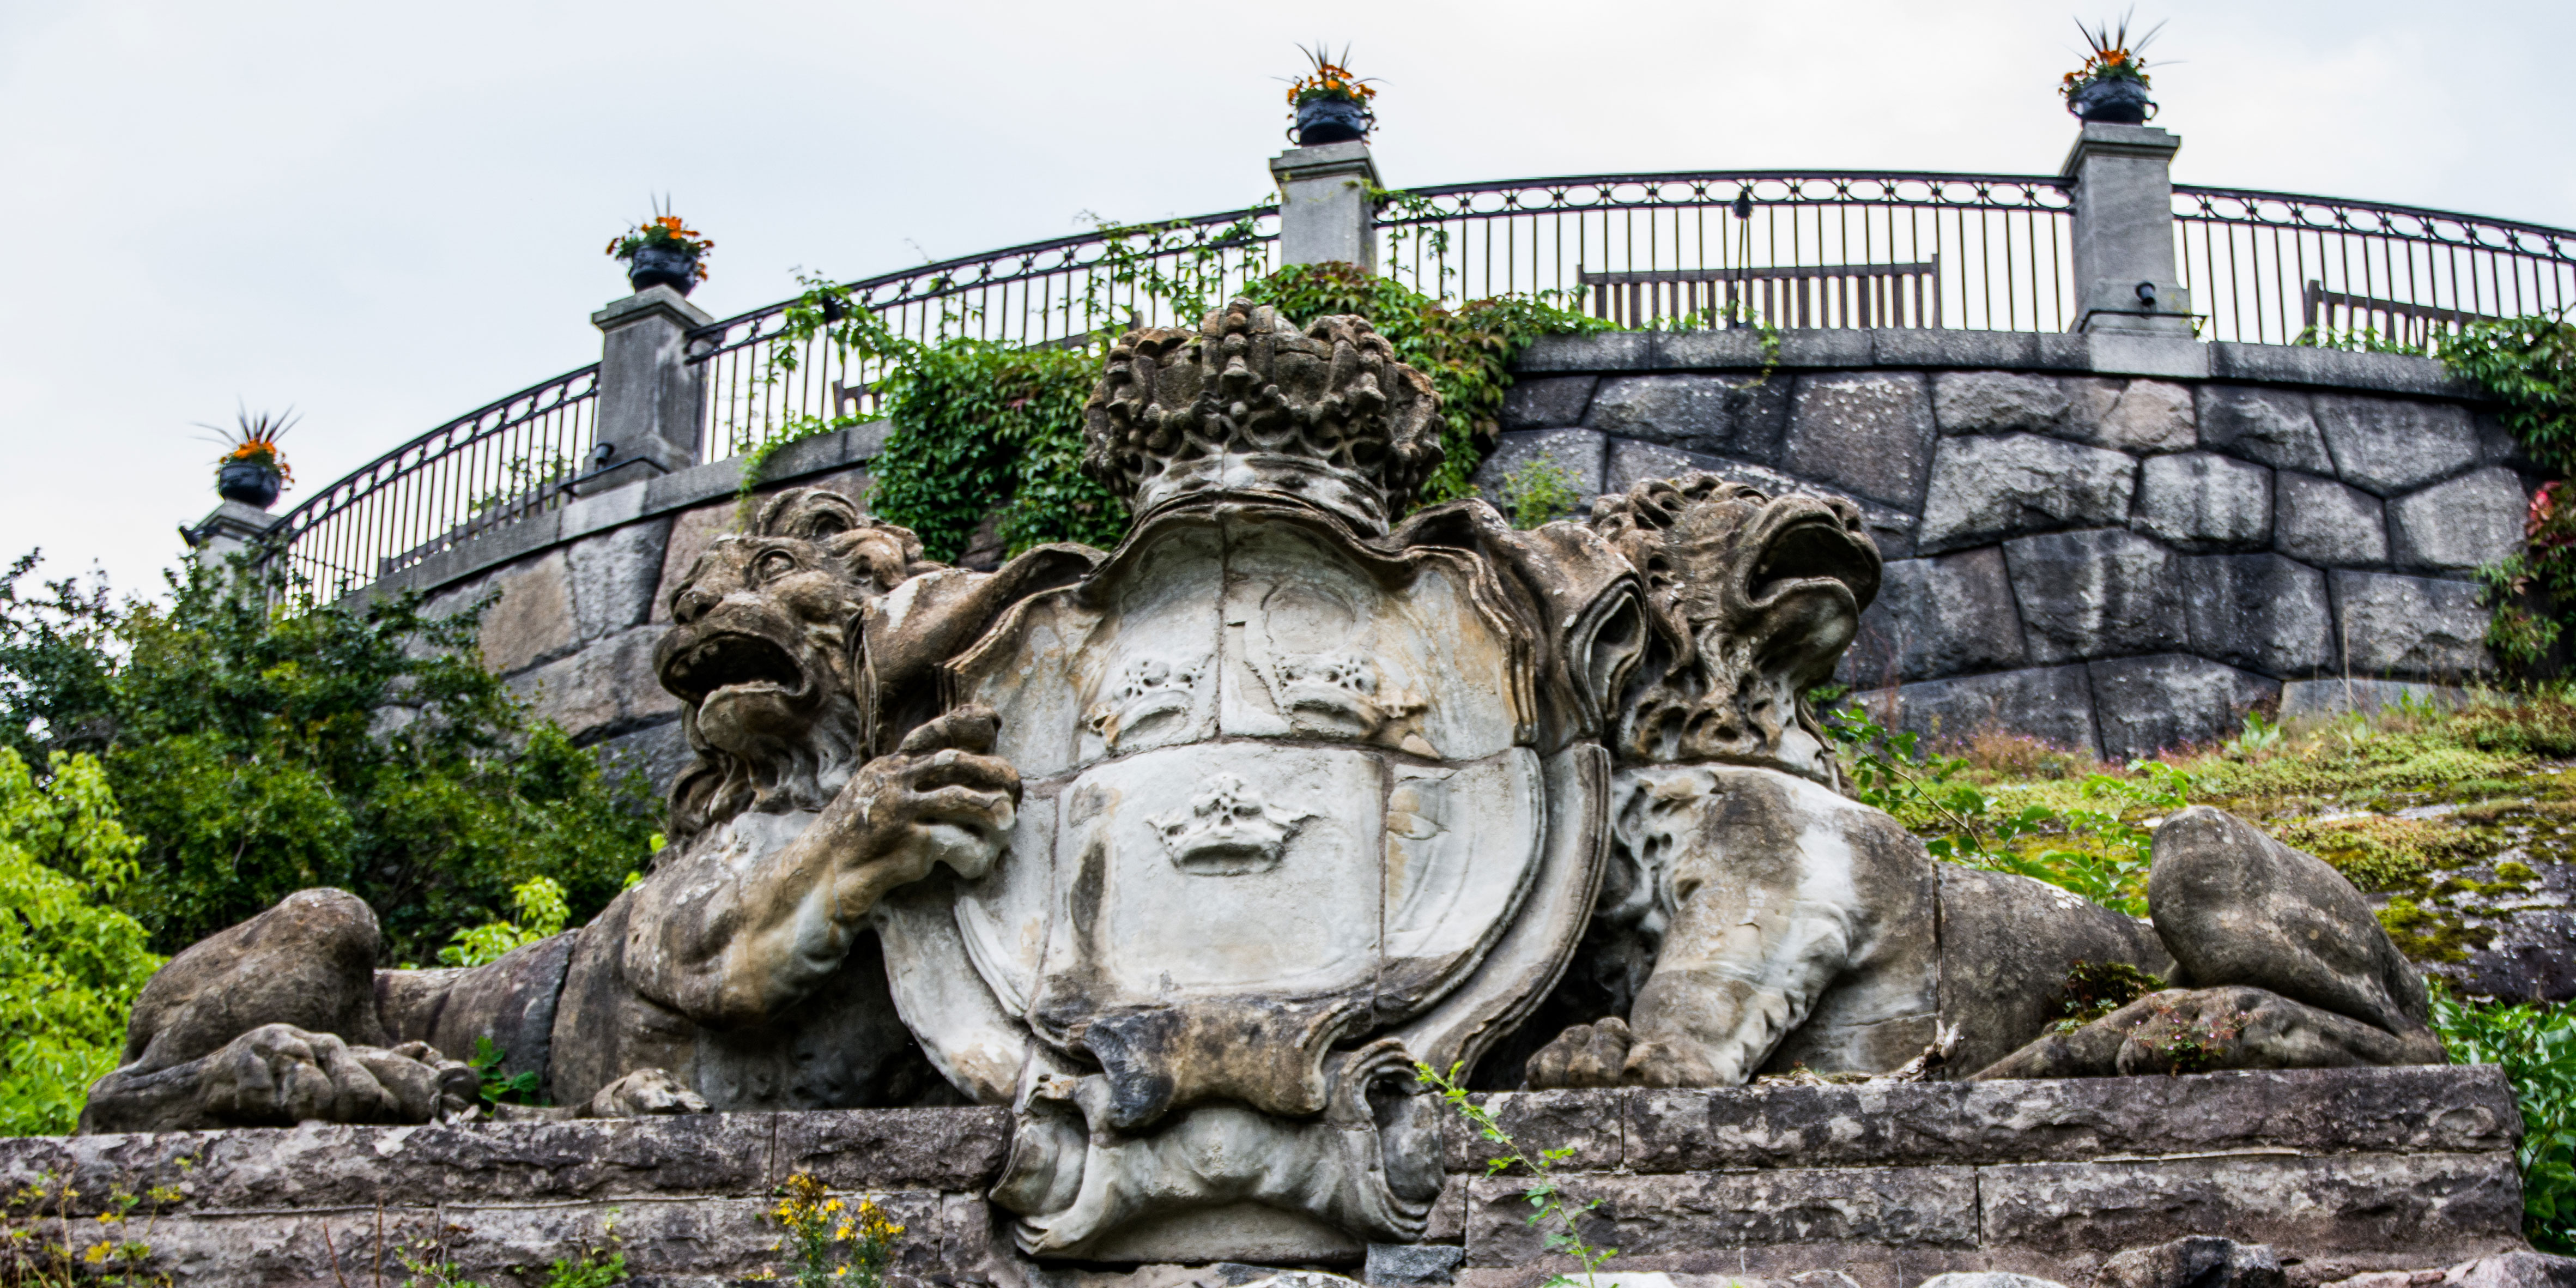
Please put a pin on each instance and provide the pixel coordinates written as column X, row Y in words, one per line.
column 2528, row 364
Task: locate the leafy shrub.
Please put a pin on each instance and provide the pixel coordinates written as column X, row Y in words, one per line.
column 2536, row 1045
column 259, row 743
column 70, row 963
column 1539, row 491
column 2095, row 989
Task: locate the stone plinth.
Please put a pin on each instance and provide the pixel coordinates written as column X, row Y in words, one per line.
column 2346, row 1170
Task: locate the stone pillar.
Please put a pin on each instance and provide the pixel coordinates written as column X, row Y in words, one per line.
column 1325, row 214
column 226, row 532
column 2124, row 251
column 650, row 396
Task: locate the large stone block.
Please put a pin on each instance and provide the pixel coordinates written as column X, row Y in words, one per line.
column 1984, row 489
column 2259, row 612
column 1729, row 415
column 2444, row 1206
column 935, row 1149
column 614, row 574
column 2201, row 501
column 2103, row 592
column 2409, row 627
column 603, row 690
column 2147, row 704
column 1937, row 617
column 1868, row 432
column 1996, row 402
column 1676, row 1216
column 2139, row 416
column 2053, row 704
column 1586, row 1122
column 2387, row 445
column 2320, row 521
column 532, row 618
column 1580, row 453
column 2471, row 520
column 660, row 752
column 2334, row 695
column 1547, row 402
column 2274, row 426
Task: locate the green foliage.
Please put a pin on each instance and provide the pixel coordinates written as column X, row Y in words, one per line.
column 980, row 425
column 2536, row 1045
column 2529, row 365
column 2100, row 848
column 260, row 743
column 540, row 903
column 827, row 1241
column 45, row 1246
column 70, row 962
column 498, row 1088
column 1551, row 1211
column 1539, row 491
column 1467, row 352
column 2095, row 989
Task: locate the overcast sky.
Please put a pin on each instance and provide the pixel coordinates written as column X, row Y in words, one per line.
column 387, row 215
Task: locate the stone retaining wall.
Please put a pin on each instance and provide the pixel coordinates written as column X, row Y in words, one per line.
column 2112, row 543
column 2341, row 1171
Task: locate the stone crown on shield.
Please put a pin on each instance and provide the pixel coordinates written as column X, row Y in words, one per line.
column 1248, row 407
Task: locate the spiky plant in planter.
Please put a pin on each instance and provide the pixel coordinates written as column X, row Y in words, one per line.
column 663, row 251
column 252, row 469
column 1329, row 104
column 2112, row 84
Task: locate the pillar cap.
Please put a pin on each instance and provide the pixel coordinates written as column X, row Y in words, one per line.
column 1323, row 162
column 2101, row 138
column 651, row 302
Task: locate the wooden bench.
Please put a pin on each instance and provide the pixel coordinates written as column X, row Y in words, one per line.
column 2407, row 322
column 1809, row 295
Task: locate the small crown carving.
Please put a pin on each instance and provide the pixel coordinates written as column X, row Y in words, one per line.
column 1248, row 405
column 1227, row 829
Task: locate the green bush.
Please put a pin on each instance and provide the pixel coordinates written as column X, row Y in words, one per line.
column 2536, row 1045
column 70, row 963
column 259, row 743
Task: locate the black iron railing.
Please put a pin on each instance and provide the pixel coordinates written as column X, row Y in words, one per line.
column 2278, row 268
column 1673, row 250
column 492, row 466
column 1042, row 293
column 1999, row 244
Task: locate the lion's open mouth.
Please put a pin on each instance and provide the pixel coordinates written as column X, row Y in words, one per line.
column 1811, row 549
column 731, row 660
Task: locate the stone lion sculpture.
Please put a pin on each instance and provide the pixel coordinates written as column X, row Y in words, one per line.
column 1188, row 851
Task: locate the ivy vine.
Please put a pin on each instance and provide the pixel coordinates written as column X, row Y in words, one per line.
column 983, row 430
column 2528, row 364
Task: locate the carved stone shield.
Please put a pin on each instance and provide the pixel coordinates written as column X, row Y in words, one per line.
column 1288, row 826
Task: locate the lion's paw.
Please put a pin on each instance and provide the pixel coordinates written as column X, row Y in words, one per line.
column 1586, row 1055
column 644, row 1093
column 278, row 1075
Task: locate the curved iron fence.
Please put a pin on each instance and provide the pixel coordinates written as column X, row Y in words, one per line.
column 1656, row 250
column 489, row 467
column 2279, row 268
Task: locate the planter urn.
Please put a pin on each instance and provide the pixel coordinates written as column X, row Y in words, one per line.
column 248, row 482
column 2113, row 100
column 663, row 266
column 1331, row 120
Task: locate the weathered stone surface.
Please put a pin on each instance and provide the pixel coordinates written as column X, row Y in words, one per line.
column 1634, row 461
column 2204, row 501
column 937, row 1149
column 2273, row 426
column 2458, row 525
column 2200, row 1261
column 1646, row 1217
column 2320, row 521
column 1987, row 488
column 1995, row 402
column 1868, row 432
column 2051, row 703
column 1728, row 415
column 1987, row 1279
column 692, row 531
column 2096, row 593
column 2131, row 415
column 2336, row 694
column 531, row 621
column 2436, row 1205
column 1937, row 617
column 2387, row 445
column 1586, row 1122
column 614, row 574
column 1412, row 1265
column 2006, row 944
column 658, row 751
column 2147, row 704
column 2409, row 627
column 2260, row 613
column 603, row 690
column 1547, row 402
column 1580, row 453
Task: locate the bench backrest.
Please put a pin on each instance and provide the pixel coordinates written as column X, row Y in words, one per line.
column 1805, row 295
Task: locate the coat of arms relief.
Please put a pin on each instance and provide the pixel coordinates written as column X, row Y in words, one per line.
column 1189, row 852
